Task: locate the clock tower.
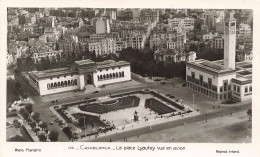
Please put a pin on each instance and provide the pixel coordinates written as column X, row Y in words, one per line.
column 229, row 42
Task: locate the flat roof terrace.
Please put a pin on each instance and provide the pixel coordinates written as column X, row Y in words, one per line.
column 244, row 73
column 111, row 63
column 210, row 66
column 51, row 73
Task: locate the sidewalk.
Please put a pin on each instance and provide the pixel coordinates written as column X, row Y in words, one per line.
column 236, row 104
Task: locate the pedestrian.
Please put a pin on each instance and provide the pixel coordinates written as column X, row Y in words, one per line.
column 206, row 120
column 110, row 140
column 124, row 138
column 173, row 139
column 137, row 136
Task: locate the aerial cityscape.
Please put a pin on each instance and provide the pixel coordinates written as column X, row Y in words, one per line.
column 129, row 75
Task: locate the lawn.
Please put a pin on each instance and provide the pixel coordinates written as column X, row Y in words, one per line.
column 89, row 120
column 158, row 107
column 105, row 107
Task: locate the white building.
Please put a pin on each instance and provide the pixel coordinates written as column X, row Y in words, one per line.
column 222, row 80
column 50, row 54
column 151, row 15
column 187, row 22
column 105, row 46
column 136, row 41
column 172, row 55
column 120, row 45
column 245, row 30
column 102, row 26
column 244, row 55
column 80, row 76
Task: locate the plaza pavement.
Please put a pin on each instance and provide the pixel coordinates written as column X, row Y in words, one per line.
column 217, row 130
column 221, row 112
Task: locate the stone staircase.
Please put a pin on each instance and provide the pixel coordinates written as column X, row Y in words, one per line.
column 90, row 89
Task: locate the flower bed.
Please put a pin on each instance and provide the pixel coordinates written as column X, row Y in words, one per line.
column 127, row 102
column 158, row 107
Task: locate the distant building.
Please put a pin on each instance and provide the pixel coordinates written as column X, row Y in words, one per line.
column 151, row 16
column 244, row 55
column 120, row 45
column 39, row 56
column 102, row 26
column 105, row 46
column 187, row 22
column 82, row 74
column 169, row 55
column 245, row 30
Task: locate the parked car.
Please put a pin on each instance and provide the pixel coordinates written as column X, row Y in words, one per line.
column 96, row 91
column 54, row 101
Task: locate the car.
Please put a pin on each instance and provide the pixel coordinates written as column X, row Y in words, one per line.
column 51, row 123
column 163, row 82
column 96, row 91
column 54, row 101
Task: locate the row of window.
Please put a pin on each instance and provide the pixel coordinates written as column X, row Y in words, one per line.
column 247, row 89
column 111, row 76
column 62, row 84
column 209, row 93
column 203, row 91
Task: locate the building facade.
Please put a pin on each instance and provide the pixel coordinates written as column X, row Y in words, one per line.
column 80, row 76
column 222, row 80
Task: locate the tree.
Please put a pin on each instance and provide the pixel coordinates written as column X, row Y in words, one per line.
column 16, row 123
column 36, row 130
column 17, row 85
column 44, row 125
column 42, row 137
column 33, row 124
column 53, row 136
column 36, row 116
column 28, row 107
column 22, row 110
column 25, row 115
column 249, row 112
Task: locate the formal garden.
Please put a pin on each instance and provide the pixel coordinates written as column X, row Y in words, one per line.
column 99, row 115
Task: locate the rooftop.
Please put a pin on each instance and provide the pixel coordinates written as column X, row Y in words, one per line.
column 210, row 66
column 111, row 63
column 51, row 73
column 84, row 62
